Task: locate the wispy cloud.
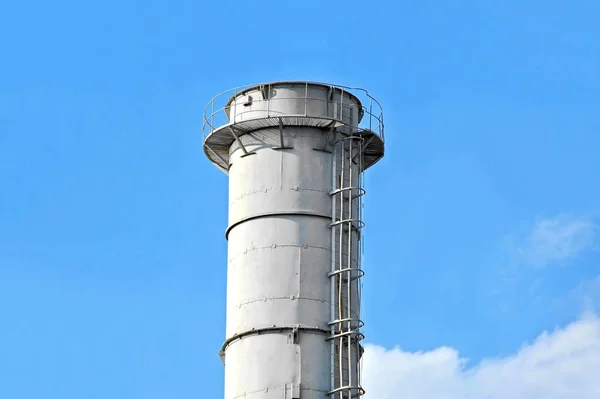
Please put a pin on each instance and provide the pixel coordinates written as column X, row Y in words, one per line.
column 584, row 297
column 589, row 293
column 564, row 239
column 557, row 239
column 563, row 364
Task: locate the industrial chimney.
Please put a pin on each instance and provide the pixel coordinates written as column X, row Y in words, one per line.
column 295, row 153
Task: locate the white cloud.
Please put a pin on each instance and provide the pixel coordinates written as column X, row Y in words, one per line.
column 563, row 364
column 558, row 239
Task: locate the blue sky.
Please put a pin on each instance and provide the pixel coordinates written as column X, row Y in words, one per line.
column 482, row 219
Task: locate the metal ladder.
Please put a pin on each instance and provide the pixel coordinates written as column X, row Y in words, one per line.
column 346, row 224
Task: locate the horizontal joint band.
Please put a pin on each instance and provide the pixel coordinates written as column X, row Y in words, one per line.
column 273, row 330
column 274, row 214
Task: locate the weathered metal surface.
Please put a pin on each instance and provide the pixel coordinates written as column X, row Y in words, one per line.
column 293, row 291
column 279, row 255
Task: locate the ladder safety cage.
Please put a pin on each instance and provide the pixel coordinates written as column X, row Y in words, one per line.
column 346, row 222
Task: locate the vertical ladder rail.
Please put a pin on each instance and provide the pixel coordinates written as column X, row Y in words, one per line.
column 359, row 257
column 333, row 263
column 339, row 276
column 349, row 266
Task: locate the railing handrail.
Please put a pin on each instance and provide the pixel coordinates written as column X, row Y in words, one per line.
column 228, row 96
column 345, row 106
column 240, row 89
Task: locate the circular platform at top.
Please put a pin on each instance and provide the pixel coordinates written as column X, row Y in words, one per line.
column 242, row 110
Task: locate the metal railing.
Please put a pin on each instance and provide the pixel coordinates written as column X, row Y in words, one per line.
column 223, row 109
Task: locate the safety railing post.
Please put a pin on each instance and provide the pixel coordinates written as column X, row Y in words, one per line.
column 370, row 113
column 268, row 99
column 306, row 99
column 212, row 116
column 234, row 106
